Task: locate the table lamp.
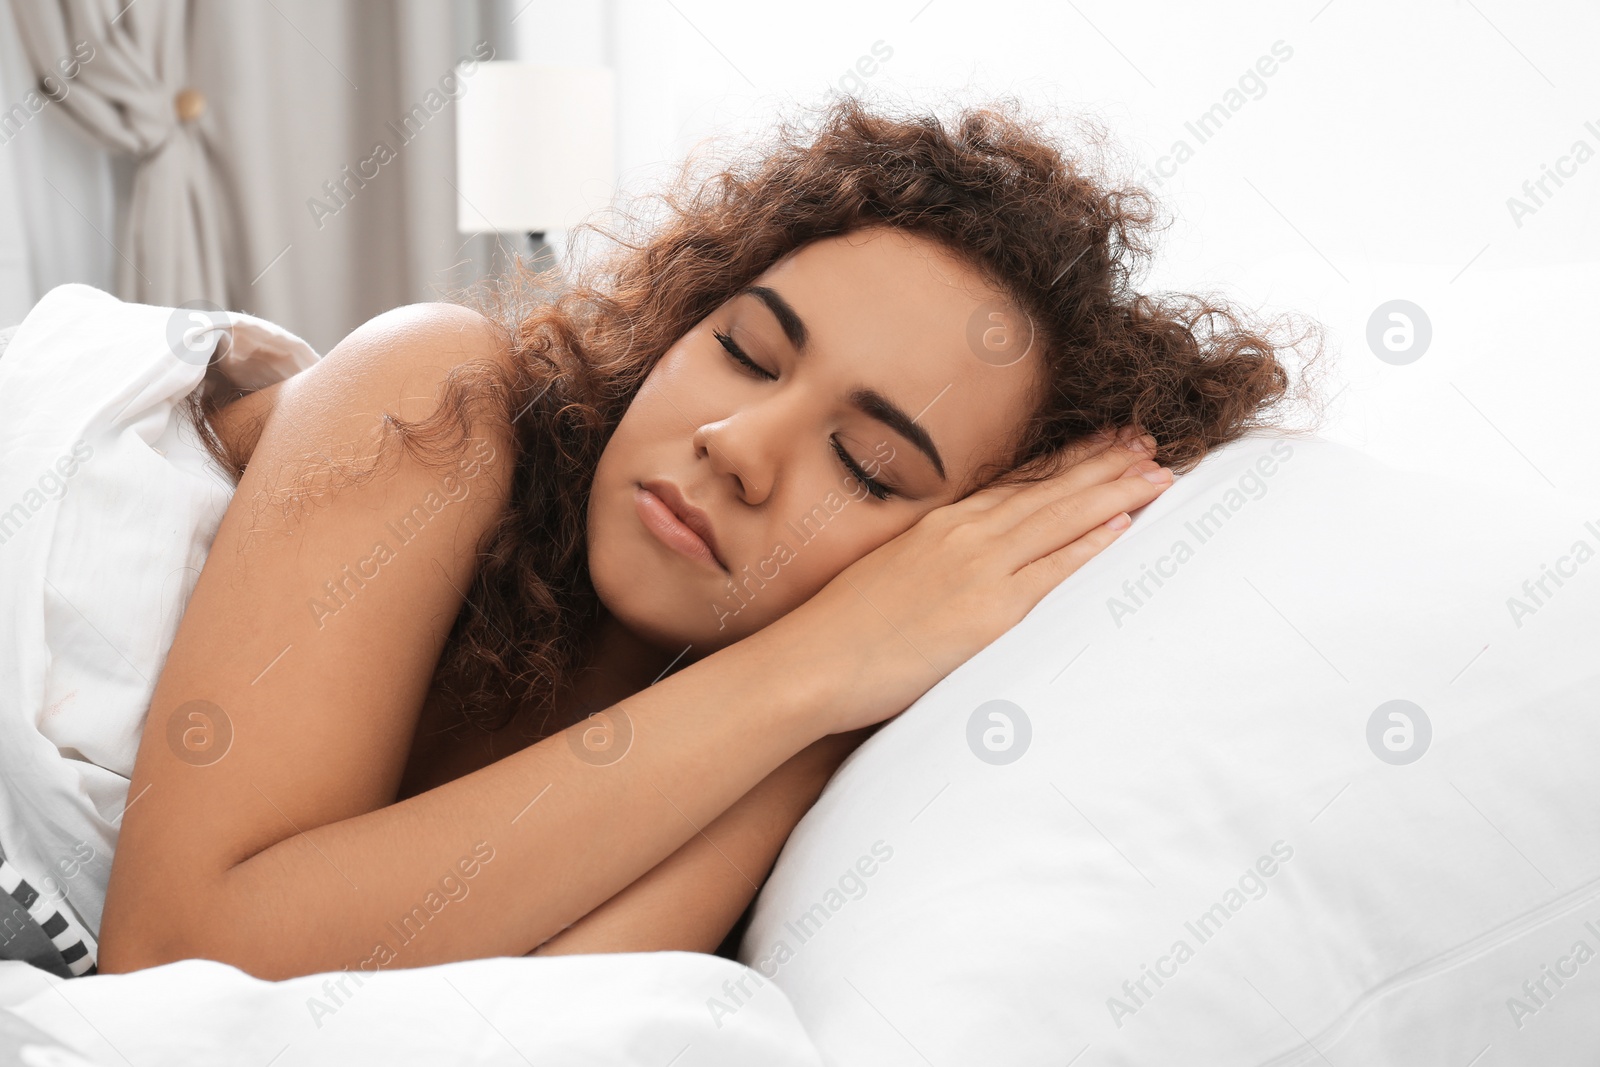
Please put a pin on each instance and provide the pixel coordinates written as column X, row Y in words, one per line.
column 534, row 149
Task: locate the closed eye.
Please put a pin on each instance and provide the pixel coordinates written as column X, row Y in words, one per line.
column 737, row 354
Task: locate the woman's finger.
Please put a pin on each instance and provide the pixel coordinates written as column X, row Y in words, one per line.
column 1100, row 463
column 1060, row 521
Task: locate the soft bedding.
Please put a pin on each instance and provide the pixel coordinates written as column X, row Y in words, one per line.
column 645, row 1009
column 1301, row 770
column 108, row 505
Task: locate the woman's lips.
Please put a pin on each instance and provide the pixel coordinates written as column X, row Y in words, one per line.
column 669, row 529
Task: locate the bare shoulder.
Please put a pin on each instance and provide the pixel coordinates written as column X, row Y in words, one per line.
column 394, row 364
column 307, row 648
column 397, row 352
column 408, row 348
column 432, row 335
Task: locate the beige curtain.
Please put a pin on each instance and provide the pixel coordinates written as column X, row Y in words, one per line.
column 119, row 70
column 294, row 159
column 334, row 126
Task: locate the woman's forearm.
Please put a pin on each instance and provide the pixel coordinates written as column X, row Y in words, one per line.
column 693, row 898
column 548, row 834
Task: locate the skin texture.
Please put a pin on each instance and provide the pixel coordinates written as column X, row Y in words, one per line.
column 883, row 309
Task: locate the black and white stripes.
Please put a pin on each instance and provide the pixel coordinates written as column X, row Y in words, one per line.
column 39, row 932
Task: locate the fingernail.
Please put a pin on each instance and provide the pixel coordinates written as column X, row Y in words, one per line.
column 1157, row 476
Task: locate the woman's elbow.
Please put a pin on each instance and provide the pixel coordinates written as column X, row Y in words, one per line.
column 121, row 954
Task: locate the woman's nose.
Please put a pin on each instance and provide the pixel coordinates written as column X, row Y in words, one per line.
column 746, row 449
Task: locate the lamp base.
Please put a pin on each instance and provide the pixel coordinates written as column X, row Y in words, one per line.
column 541, row 257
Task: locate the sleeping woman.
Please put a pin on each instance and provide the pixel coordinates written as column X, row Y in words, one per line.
column 730, row 500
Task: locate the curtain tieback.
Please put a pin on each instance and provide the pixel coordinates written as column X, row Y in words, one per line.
column 190, row 104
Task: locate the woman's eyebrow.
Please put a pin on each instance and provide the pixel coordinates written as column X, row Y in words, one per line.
column 794, row 327
column 869, row 402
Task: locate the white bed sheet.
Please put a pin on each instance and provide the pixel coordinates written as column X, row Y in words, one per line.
column 645, row 1008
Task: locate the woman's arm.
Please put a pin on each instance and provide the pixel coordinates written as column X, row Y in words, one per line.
column 260, row 829
column 691, row 900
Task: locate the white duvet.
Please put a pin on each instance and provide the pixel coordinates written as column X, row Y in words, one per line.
column 644, row 1008
column 107, row 509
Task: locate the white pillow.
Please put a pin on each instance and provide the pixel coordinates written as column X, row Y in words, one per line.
column 1198, row 856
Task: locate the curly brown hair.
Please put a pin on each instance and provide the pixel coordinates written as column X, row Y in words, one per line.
column 992, row 186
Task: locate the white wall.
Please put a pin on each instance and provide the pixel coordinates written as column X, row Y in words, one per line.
column 1375, row 163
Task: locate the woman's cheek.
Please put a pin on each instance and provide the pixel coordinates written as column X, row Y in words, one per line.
column 857, row 490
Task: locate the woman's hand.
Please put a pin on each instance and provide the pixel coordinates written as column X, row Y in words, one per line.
column 901, row 618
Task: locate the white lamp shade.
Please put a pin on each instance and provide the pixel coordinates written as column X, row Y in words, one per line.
column 534, row 147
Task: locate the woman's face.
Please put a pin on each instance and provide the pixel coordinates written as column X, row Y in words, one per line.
column 875, row 311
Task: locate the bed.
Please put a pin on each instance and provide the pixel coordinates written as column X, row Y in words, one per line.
column 1300, row 770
